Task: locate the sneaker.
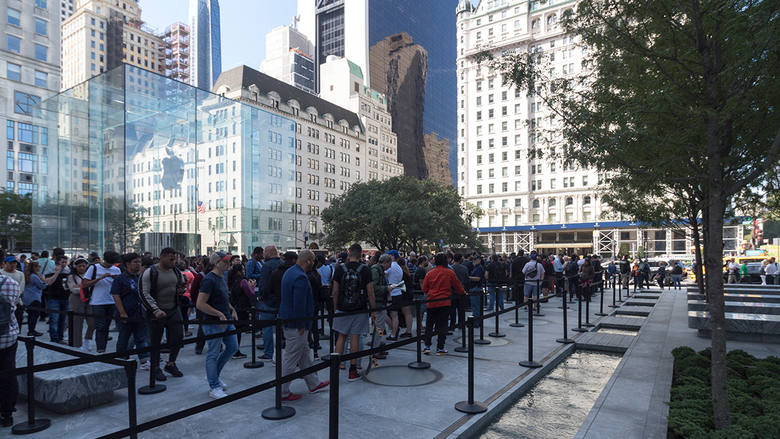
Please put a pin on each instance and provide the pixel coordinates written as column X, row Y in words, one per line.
column 198, row 351
column 34, row 334
column 316, row 356
column 441, row 351
column 221, row 383
column 380, row 356
column 391, row 338
column 6, row 421
column 239, row 355
column 265, row 358
column 173, row 370
column 406, row 335
column 217, row 393
column 427, row 350
column 145, row 366
column 354, row 375
column 88, row 344
column 62, row 342
column 159, row 375
column 321, row 388
column 292, row 397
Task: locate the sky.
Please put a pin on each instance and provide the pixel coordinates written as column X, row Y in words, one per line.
column 244, row 24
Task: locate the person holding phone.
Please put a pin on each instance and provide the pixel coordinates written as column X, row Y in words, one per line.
column 100, row 277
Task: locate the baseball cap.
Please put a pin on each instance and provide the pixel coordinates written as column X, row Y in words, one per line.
column 10, row 259
column 533, row 256
column 394, row 253
column 219, row 256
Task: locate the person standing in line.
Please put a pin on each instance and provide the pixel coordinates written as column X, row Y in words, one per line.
column 124, row 290
column 214, row 302
column 477, row 278
column 161, row 285
column 9, row 385
column 31, row 296
column 463, row 276
column 297, row 302
column 439, row 283
column 265, row 302
column 380, row 295
column 76, row 305
column 47, row 265
column 241, row 294
column 58, row 300
column 733, row 269
column 394, row 276
column 533, row 273
column 99, row 278
column 772, row 271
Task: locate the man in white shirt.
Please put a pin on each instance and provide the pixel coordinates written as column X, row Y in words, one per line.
column 772, row 272
column 733, row 270
column 533, row 272
column 394, row 276
column 99, row 277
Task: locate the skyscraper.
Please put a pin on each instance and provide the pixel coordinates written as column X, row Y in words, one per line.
column 407, row 50
column 205, row 43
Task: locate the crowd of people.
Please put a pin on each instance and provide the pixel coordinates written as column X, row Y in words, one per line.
column 154, row 296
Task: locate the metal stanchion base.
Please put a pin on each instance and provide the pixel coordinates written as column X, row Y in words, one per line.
column 517, row 325
column 481, row 341
column 325, row 357
column 588, row 325
column 148, row 390
column 538, row 314
column 419, row 365
column 565, row 340
column 28, row 428
column 531, row 364
column 275, row 414
column 465, row 407
column 562, row 307
column 600, row 314
column 497, row 334
column 579, row 330
column 614, row 306
column 253, row 364
column 461, row 349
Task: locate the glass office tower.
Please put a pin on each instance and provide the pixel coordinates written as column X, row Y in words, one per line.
column 143, row 162
column 205, row 43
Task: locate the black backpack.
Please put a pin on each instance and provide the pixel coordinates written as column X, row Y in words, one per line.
column 571, row 268
column 153, row 275
column 5, row 311
column 352, row 293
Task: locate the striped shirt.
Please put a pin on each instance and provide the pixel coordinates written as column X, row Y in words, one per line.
column 10, row 291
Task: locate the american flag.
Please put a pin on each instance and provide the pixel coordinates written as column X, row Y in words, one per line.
column 201, row 207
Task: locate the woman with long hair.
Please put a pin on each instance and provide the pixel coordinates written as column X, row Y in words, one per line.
column 73, row 282
column 241, row 294
column 407, row 295
column 31, row 296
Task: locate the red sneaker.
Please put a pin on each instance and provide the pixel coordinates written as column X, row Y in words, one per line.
column 322, row 387
column 291, row 397
column 354, row 375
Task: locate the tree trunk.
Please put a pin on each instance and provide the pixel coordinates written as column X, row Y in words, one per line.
column 715, row 210
column 697, row 252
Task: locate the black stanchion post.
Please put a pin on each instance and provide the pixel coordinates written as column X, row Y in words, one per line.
column 530, row 362
column 572, row 288
column 154, row 361
column 333, row 409
column 538, row 301
column 462, row 320
column 130, row 370
column 32, row 425
column 517, row 323
column 559, row 286
column 254, row 364
column 419, row 364
column 565, row 338
column 482, row 321
column 579, row 327
column 331, row 337
column 497, row 333
column 601, row 301
column 71, row 324
column 278, row 411
column 469, row 406
column 587, row 293
column 613, row 294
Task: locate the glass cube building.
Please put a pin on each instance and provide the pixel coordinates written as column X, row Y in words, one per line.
column 141, row 162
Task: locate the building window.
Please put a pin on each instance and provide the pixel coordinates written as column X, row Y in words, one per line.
column 9, row 130
column 569, row 201
column 9, row 161
column 584, row 180
column 24, row 103
column 586, row 200
column 14, row 17
column 41, row 79
column 14, row 72
column 14, row 44
column 41, row 52
column 40, row 26
column 479, row 189
column 42, row 4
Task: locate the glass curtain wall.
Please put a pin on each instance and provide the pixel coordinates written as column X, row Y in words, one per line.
column 145, row 162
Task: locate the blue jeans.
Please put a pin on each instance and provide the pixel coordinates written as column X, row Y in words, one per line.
column 267, row 313
column 476, row 305
column 495, row 289
column 140, row 334
column 215, row 360
column 102, row 324
column 56, row 320
column 677, row 278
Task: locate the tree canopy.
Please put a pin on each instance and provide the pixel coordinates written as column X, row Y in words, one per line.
column 16, row 217
column 398, row 212
column 672, row 98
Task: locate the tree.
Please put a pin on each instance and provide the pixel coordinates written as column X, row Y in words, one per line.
column 397, row 212
column 681, row 93
column 16, row 218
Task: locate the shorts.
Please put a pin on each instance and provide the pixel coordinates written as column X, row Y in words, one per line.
column 353, row 324
column 530, row 288
column 396, row 301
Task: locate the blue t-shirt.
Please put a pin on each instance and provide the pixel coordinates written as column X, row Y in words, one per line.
column 126, row 287
column 217, row 289
column 479, row 272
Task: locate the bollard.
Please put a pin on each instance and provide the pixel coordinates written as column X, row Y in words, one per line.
column 613, row 295
column 565, row 338
column 419, row 364
column 333, row 411
column 561, row 290
column 482, row 321
column 601, row 300
column 497, row 332
column 587, row 294
column 130, row 370
column 530, row 362
column 469, row 406
column 71, row 323
column 517, row 323
column 579, row 327
column 278, row 411
column 254, row 364
column 462, row 320
column 32, row 425
column 154, row 361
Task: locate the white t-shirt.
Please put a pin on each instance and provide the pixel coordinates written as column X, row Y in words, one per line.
column 101, row 294
column 394, row 276
column 530, row 266
column 771, row 269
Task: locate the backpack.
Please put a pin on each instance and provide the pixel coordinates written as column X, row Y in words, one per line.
column 86, row 293
column 533, row 272
column 153, row 275
column 571, row 268
column 352, row 294
column 5, row 311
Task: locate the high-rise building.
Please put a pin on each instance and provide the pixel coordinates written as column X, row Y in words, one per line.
column 29, row 73
column 103, row 34
column 177, row 51
column 205, row 43
column 66, row 9
column 407, row 50
column 289, row 57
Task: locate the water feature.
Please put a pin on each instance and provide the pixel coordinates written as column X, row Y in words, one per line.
column 556, row 406
column 617, row 331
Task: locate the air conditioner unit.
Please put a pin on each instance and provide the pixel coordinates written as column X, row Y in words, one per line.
column 27, row 177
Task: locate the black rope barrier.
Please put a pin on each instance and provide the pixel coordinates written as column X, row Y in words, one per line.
column 470, row 406
column 419, row 364
column 254, row 364
column 530, row 362
column 278, row 411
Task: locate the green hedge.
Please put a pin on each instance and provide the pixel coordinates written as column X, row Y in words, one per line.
column 754, row 396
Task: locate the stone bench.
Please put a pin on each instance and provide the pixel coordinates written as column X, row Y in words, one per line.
column 738, row 307
column 744, row 288
column 740, row 297
column 70, row 389
column 764, row 328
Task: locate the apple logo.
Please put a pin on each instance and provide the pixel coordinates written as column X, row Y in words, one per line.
column 173, row 171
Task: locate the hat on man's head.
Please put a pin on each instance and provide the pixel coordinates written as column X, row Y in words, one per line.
column 394, row 253
column 10, row 259
column 477, row 256
column 219, row 256
column 533, row 256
